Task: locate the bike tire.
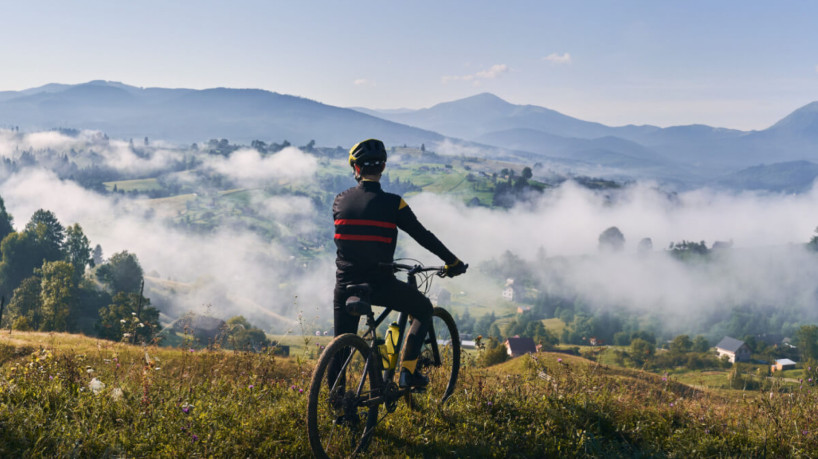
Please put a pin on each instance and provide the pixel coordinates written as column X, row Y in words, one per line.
column 337, row 424
column 442, row 378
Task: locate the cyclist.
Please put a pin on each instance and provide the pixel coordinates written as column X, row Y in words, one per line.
column 366, row 229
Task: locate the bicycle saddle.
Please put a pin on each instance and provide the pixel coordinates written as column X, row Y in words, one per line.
column 357, row 303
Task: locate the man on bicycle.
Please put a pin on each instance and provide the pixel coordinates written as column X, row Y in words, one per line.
column 366, row 230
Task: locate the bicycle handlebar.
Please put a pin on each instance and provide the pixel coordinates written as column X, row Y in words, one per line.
column 412, row 269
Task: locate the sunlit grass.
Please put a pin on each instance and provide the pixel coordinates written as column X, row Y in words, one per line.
column 68, row 395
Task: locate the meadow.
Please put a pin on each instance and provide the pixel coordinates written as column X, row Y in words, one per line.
column 67, row 395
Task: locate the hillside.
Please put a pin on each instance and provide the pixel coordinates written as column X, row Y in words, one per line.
column 186, row 115
column 112, row 399
column 788, row 177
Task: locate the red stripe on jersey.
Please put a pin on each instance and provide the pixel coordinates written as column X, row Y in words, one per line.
column 363, row 237
column 380, row 224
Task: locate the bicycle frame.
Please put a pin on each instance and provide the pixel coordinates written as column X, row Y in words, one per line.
column 350, row 408
column 372, row 325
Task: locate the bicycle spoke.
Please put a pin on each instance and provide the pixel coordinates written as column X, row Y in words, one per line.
column 339, row 415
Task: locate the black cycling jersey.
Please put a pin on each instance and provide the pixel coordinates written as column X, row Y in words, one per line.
column 366, row 231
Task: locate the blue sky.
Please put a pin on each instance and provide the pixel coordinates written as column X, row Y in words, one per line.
column 737, row 64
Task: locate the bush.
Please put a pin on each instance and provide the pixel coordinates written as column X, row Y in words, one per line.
column 492, row 353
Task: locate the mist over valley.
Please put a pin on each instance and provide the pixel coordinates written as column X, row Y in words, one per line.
column 231, row 216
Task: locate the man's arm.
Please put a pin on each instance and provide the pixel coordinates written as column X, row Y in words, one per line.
column 407, row 221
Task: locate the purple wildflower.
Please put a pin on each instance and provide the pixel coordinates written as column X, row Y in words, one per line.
column 194, row 438
column 250, row 386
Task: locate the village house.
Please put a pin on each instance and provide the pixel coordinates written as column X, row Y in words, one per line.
column 782, row 364
column 735, row 350
column 517, row 346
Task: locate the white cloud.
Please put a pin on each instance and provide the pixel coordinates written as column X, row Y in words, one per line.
column 559, row 59
column 363, row 82
column 248, row 165
column 767, row 265
column 493, row 72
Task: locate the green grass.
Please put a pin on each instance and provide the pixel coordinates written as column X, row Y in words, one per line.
column 160, row 402
column 554, row 325
column 134, row 185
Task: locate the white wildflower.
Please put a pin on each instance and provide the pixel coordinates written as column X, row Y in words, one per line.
column 96, row 386
column 116, row 394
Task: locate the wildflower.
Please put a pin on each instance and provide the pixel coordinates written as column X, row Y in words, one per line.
column 96, row 385
column 559, row 360
column 116, row 394
column 489, row 403
column 126, row 335
column 317, row 333
column 250, row 386
column 140, row 325
column 300, row 391
column 191, row 350
column 133, row 314
column 292, row 387
column 186, row 408
column 89, row 370
column 664, row 378
column 122, row 321
column 194, row 438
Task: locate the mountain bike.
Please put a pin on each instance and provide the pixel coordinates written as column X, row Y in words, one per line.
column 355, row 376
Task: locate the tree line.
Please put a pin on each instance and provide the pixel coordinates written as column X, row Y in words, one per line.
column 51, row 279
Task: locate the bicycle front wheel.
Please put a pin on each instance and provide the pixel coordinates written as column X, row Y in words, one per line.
column 341, row 413
column 440, row 357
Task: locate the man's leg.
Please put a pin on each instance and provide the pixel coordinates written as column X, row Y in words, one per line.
column 343, row 323
column 400, row 296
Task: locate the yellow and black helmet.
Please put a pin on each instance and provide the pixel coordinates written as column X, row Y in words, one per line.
column 369, row 152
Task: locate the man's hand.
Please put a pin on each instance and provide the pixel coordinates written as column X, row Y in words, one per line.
column 455, row 269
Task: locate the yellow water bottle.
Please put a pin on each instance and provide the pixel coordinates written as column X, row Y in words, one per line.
column 392, row 345
column 381, row 346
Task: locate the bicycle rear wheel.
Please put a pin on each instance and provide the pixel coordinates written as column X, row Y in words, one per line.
column 440, row 358
column 340, row 413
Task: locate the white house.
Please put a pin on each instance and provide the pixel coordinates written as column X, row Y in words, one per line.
column 783, row 364
column 735, row 349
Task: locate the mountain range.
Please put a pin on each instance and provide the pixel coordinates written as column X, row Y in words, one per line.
column 484, row 124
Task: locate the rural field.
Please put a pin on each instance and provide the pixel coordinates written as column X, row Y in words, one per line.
column 65, row 395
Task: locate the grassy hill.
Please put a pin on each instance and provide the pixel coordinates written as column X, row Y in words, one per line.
column 69, row 395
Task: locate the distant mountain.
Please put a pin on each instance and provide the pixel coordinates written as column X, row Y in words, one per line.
column 802, row 123
column 709, row 151
column 788, row 177
column 186, row 115
column 484, row 113
column 484, row 124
